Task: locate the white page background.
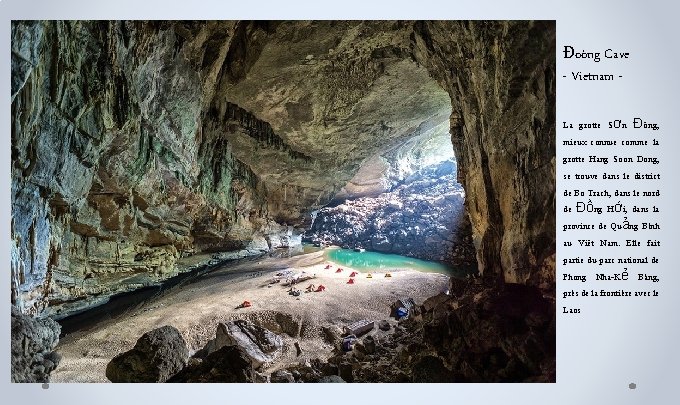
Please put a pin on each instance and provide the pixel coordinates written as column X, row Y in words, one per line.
column 614, row 342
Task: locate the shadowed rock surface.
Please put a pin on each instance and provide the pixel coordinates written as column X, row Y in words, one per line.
column 230, row 364
column 32, row 347
column 478, row 333
column 157, row 356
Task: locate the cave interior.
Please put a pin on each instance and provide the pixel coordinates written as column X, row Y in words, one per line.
column 145, row 150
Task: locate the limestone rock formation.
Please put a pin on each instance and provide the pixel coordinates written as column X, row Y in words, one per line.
column 32, row 348
column 157, row 356
column 422, row 218
column 114, row 177
column 230, row 364
column 135, row 144
column 259, row 344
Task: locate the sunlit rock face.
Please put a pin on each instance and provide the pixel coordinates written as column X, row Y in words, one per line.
column 137, row 143
column 422, row 218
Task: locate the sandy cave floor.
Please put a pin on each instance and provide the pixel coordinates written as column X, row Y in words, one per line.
column 195, row 310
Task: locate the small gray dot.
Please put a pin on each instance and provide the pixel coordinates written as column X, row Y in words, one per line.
column 632, row 386
column 45, row 386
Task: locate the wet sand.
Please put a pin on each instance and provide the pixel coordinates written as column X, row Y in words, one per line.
column 195, row 309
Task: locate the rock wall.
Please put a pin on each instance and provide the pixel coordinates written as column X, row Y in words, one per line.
column 137, row 143
column 501, row 79
column 118, row 167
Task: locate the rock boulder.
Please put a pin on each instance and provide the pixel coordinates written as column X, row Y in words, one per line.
column 259, row 344
column 157, row 356
column 229, row 364
column 32, row 348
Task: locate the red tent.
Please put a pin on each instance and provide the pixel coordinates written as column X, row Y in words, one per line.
column 351, row 281
column 338, row 270
column 354, row 273
column 320, row 288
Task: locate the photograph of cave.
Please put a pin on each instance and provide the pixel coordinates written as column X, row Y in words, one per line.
column 283, row 201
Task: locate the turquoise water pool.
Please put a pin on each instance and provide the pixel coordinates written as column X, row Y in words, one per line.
column 371, row 261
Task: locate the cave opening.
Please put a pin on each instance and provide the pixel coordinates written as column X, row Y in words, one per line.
column 420, row 217
column 402, row 203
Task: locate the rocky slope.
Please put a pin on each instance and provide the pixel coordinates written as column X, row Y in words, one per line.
column 137, row 143
column 422, row 218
